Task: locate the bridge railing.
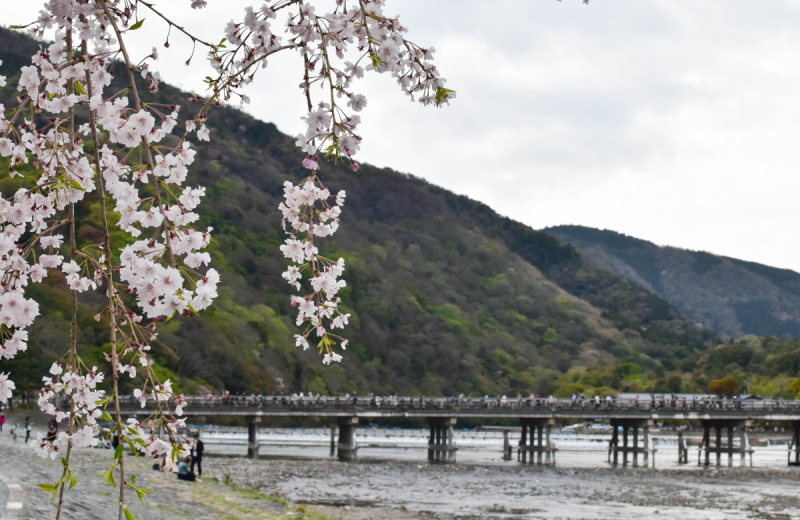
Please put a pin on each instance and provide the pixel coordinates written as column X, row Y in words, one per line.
column 499, row 405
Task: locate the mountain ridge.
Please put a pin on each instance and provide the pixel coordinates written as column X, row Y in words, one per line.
column 445, row 295
column 735, row 297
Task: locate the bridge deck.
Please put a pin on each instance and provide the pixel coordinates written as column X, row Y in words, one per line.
column 285, row 406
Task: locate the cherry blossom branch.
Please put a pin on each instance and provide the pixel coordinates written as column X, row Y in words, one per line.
column 109, row 282
column 173, row 24
column 138, row 104
column 73, row 329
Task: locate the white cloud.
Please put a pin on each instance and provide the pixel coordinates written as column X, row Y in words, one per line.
column 670, row 121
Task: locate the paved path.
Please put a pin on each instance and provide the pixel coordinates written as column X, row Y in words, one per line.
column 22, row 470
column 12, row 499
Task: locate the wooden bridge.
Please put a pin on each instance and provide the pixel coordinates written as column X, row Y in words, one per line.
column 629, row 418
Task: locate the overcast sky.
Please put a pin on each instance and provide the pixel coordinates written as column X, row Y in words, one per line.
column 672, row 121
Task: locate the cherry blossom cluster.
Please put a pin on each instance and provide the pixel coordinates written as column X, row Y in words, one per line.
column 67, row 174
column 358, row 30
column 309, row 214
column 153, row 445
column 83, row 396
column 57, row 81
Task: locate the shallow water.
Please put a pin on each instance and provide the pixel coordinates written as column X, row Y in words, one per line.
column 392, row 472
column 484, row 448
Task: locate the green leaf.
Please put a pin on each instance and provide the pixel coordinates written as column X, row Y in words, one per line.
column 441, row 93
column 376, row 61
column 72, row 480
column 171, row 316
column 107, row 417
column 128, row 515
column 108, row 476
column 140, row 492
column 79, row 87
column 118, row 452
column 104, row 401
column 133, row 448
column 16, row 26
column 47, row 487
column 75, row 184
column 136, row 25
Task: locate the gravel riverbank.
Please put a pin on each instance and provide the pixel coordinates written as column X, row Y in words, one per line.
column 171, row 499
column 449, row 492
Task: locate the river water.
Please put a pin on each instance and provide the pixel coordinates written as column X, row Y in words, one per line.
column 392, row 473
column 474, row 447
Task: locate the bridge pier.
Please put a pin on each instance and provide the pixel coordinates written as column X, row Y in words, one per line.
column 507, row 449
column 715, row 428
column 539, row 431
column 252, row 436
column 630, row 428
column 794, row 445
column 347, row 447
column 441, row 445
column 683, row 450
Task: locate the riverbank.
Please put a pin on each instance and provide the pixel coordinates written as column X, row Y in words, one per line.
column 171, row 499
column 449, row 492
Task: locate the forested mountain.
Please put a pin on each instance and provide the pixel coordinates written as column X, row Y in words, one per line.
column 731, row 296
column 445, row 296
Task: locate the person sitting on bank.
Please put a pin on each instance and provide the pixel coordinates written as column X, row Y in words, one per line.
column 183, row 470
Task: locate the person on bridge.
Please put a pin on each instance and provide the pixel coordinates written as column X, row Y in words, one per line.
column 197, row 456
column 27, row 429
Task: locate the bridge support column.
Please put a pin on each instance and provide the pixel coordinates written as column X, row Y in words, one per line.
column 630, row 428
column 252, row 436
column 441, row 445
column 507, row 450
column 715, row 427
column 794, row 445
column 539, row 435
column 347, row 446
column 683, row 449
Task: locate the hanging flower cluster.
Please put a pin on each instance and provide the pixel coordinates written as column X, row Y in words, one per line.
column 380, row 46
column 307, row 210
column 81, row 392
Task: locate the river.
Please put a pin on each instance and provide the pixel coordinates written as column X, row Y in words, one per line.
column 393, row 479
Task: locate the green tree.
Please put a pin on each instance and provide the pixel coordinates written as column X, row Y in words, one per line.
column 727, row 386
column 674, row 384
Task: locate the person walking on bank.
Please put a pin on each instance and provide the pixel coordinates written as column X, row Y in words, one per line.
column 2, row 420
column 27, row 429
column 197, row 456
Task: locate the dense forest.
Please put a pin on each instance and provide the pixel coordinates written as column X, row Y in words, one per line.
column 731, row 296
column 445, row 295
